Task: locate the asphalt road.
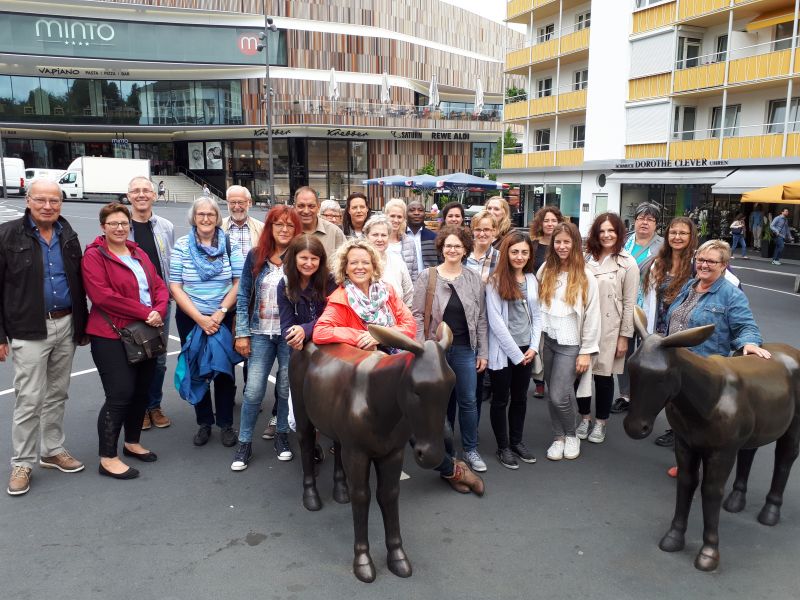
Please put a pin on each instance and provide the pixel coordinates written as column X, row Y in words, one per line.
column 190, row 528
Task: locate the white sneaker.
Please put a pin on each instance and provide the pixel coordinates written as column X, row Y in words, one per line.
column 583, row 429
column 556, row 450
column 572, row 448
column 474, row 460
column 598, row 435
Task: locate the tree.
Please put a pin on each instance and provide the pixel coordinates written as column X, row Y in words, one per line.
column 428, row 169
column 505, row 145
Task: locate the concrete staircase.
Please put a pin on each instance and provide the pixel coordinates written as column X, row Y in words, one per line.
column 180, row 188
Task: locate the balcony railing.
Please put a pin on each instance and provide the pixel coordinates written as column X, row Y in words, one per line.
column 540, row 48
column 568, row 98
column 547, row 155
column 349, row 112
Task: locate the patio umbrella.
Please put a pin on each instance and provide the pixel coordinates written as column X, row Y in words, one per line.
column 422, row 182
column 464, row 181
column 386, row 96
column 433, row 93
column 389, row 180
column 783, row 193
column 333, row 87
column 478, row 98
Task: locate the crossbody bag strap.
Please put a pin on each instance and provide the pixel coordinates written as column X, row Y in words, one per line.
column 108, row 320
column 432, row 275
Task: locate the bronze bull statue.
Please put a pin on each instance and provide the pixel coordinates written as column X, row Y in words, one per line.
column 718, row 407
column 370, row 404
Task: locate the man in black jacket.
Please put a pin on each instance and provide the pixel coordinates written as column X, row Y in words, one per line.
column 42, row 318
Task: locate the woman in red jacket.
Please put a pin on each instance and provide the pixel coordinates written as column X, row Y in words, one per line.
column 361, row 299
column 123, row 286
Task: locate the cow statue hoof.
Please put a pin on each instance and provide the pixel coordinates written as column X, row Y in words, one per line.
column 364, row 568
column 398, row 563
column 311, row 500
column 673, row 541
column 707, row 559
column 770, row 514
column 341, row 493
column 735, row 502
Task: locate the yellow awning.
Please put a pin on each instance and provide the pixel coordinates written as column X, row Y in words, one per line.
column 772, row 18
column 786, row 193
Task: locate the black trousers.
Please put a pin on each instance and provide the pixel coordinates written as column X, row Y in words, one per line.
column 126, row 388
column 510, row 390
column 603, row 395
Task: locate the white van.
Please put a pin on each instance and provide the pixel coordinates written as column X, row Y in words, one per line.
column 47, row 174
column 15, row 176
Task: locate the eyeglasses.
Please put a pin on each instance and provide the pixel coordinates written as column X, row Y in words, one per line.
column 483, row 230
column 705, row 261
column 117, row 224
column 237, row 202
column 212, row 216
column 646, row 219
column 44, row 201
column 140, row 191
column 453, row 247
column 679, row 234
column 283, row 225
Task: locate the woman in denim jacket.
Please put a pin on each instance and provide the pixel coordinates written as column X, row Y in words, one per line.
column 710, row 299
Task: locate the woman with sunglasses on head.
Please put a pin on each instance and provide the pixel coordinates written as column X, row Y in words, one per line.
column 617, row 278
column 570, row 308
column 512, row 304
column 356, row 214
column 259, row 336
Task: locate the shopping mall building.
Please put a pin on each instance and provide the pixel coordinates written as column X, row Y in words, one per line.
column 184, row 87
column 681, row 102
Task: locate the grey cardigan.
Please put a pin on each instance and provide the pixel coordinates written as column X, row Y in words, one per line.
column 502, row 346
column 470, row 290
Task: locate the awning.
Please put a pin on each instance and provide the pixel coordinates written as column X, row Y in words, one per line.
column 751, row 178
column 772, row 18
column 787, row 193
column 671, row 176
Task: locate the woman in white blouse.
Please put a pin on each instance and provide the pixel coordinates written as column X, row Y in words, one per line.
column 395, row 272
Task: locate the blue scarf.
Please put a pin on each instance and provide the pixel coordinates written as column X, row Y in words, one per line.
column 209, row 261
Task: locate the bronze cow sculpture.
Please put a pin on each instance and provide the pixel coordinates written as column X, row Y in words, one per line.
column 717, row 407
column 370, row 404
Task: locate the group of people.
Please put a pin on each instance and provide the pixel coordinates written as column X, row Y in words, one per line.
column 541, row 305
column 779, row 229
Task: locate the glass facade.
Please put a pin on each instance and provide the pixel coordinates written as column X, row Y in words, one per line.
column 113, row 102
column 336, row 168
column 566, row 196
column 481, row 157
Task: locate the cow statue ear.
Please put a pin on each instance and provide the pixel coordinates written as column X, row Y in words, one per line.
column 640, row 322
column 444, row 335
column 394, row 339
column 688, row 338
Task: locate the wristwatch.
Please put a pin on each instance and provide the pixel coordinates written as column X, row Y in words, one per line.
column 223, row 310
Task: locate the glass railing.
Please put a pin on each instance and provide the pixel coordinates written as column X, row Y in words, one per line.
column 735, row 53
column 736, row 131
column 317, row 110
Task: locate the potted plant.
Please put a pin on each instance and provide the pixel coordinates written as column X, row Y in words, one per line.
column 766, row 242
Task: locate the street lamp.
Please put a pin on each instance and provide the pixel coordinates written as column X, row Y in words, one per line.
column 269, row 26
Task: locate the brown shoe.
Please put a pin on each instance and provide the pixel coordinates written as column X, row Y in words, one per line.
column 158, row 418
column 20, row 481
column 463, row 476
column 64, row 462
column 146, row 424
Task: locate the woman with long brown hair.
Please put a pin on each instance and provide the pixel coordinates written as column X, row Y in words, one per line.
column 571, row 325
column 512, row 306
column 356, row 213
column 258, row 331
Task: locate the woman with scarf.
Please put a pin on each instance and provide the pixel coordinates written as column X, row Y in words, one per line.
column 204, row 278
column 258, row 331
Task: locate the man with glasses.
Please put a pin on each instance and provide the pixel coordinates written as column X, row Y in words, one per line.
column 239, row 225
column 156, row 237
column 306, row 203
column 643, row 244
column 43, row 317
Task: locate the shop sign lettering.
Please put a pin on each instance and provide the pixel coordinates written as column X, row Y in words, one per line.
column 663, row 163
column 347, row 133
column 440, row 135
column 263, row 132
column 81, row 33
column 406, row 135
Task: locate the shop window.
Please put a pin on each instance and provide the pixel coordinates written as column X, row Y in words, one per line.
column 580, row 79
column 731, row 127
column 337, row 155
column 544, row 87
column 542, row 140
column 777, row 116
column 683, row 127
column 358, row 157
column 134, row 102
column 546, row 33
column 578, row 136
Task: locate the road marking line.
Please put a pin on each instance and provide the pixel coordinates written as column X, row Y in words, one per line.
column 764, row 271
column 771, row 290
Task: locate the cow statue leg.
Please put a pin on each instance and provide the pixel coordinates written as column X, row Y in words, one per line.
column 389, row 469
column 356, row 466
column 786, row 451
column 688, row 478
column 717, row 466
column 341, row 493
column 307, row 434
column 737, row 499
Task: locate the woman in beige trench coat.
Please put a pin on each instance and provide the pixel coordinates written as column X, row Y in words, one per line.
column 617, row 279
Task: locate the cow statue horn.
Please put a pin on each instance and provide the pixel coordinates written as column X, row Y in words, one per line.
column 640, row 322
column 444, row 336
column 394, row 339
column 688, row 337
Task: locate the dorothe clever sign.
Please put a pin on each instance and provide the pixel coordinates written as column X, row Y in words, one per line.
column 663, row 163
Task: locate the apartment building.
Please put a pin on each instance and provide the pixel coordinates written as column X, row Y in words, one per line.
column 684, row 102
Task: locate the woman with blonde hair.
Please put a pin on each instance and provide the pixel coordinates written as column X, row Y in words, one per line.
column 571, row 326
column 395, row 272
column 399, row 243
column 500, row 210
column 483, row 258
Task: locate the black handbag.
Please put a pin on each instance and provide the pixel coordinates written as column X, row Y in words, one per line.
column 140, row 340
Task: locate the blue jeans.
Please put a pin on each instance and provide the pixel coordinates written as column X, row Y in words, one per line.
column 462, row 360
column 264, row 349
column 155, row 394
column 738, row 240
column 779, row 242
